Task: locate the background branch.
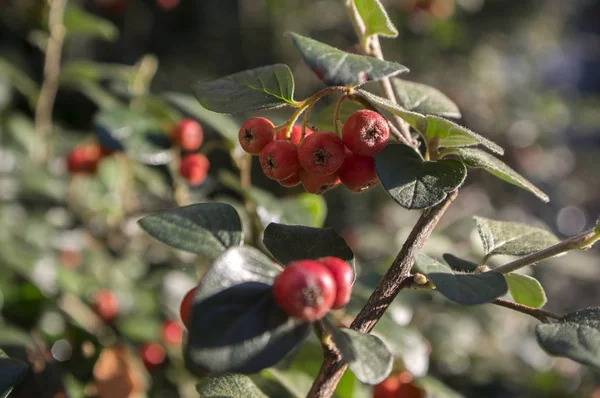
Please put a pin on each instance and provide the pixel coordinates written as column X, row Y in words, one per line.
column 534, row 312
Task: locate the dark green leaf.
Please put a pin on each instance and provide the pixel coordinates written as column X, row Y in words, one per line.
column 248, row 332
column 422, row 98
column 229, row 386
column 339, row 68
column 203, row 228
column 516, row 239
column 140, row 136
column 458, row 264
column 414, row 183
column 465, row 289
column 575, row 336
column 289, row 243
column 480, row 159
column 12, row 371
column 367, row 355
column 79, row 22
column 452, row 135
column 251, row 90
column 375, row 18
column 225, row 125
column 526, row 290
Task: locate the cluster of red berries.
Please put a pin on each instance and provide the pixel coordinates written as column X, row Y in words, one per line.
column 320, row 160
column 189, row 136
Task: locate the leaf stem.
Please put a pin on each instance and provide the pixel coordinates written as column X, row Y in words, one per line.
column 583, row 240
column 336, row 113
column 541, row 315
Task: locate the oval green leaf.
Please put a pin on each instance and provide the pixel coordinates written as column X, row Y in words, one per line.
column 526, row 290
column 512, row 238
column 251, row 90
column 229, row 386
column 414, row 183
column 416, row 120
column 375, row 18
column 248, row 332
column 452, row 135
column 289, row 243
column 339, row 68
column 479, row 159
column 202, row 228
column 465, row 289
column 422, row 98
column 12, row 372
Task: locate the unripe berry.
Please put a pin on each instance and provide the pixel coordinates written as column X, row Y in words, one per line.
column 318, row 183
column 194, row 168
column 279, row 160
column 85, row 159
column 106, row 305
column 188, row 135
column 305, row 290
column 342, row 275
column 291, row 181
column 185, row 309
column 255, row 134
column 153, row 355
column 172, row 332
column 296, row 135
column 358, row 172
column 321, row 153
column 365, row 132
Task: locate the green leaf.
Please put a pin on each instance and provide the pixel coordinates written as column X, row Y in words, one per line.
column 289, row 243
column 12, row 372
column 303, row 209
column 416, row 120
column 339, row 68
column 458, row 264
column 248, row 332
column 414, row 183
column 367, row 355
column 202, row 228
column 526, row 290
column 94, row 71
column 511, row 238
column 140, row 136
column 229, row 386
column 453, row 135
column 20, row 81
column 422, row 98
column 98, row 94
column 297, row 383
column 480, row 159
column 225, row 125
column 575, row 336
column 139, row 328
column 465, row 289
column 251, row 90
column 79, row 22
column 375, row 18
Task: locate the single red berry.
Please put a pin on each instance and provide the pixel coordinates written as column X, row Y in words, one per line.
column 296, row 135
column 365, row 132
column 318, row 183
column 358, row 172
column 188, row 135
column 291, row 181
column 343, row 276
column 255, row 134
column 106, row 305
column 387, row 388
column 153, row 355
column 172, row 332
column 321, row 153
column 279, row 160
column 398, row 385
column 305, row 290
column 194, row 168
column 85, row 159
column 185, row 309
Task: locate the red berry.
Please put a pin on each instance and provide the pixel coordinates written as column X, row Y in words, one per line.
column 365, row 132
column 279, row 159
column 321, row 153
column 387, row 388
column 153, row 355
column 172, row 332
column 398, row 385
column 194, row 168
column 85, row 159
column 291, row 181
column 188, row 135
column 343, row 276
column 296, row 134
column 106, row 305
column 305, row 290
column 318, row 183
column 358, row 172
column 185, row 309
column 255, row 134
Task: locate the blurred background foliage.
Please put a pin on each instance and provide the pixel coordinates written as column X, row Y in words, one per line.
column 524, row 73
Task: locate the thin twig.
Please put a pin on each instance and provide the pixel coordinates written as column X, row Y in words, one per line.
column 541, row 315
column 395, row 279
column 45, row 102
